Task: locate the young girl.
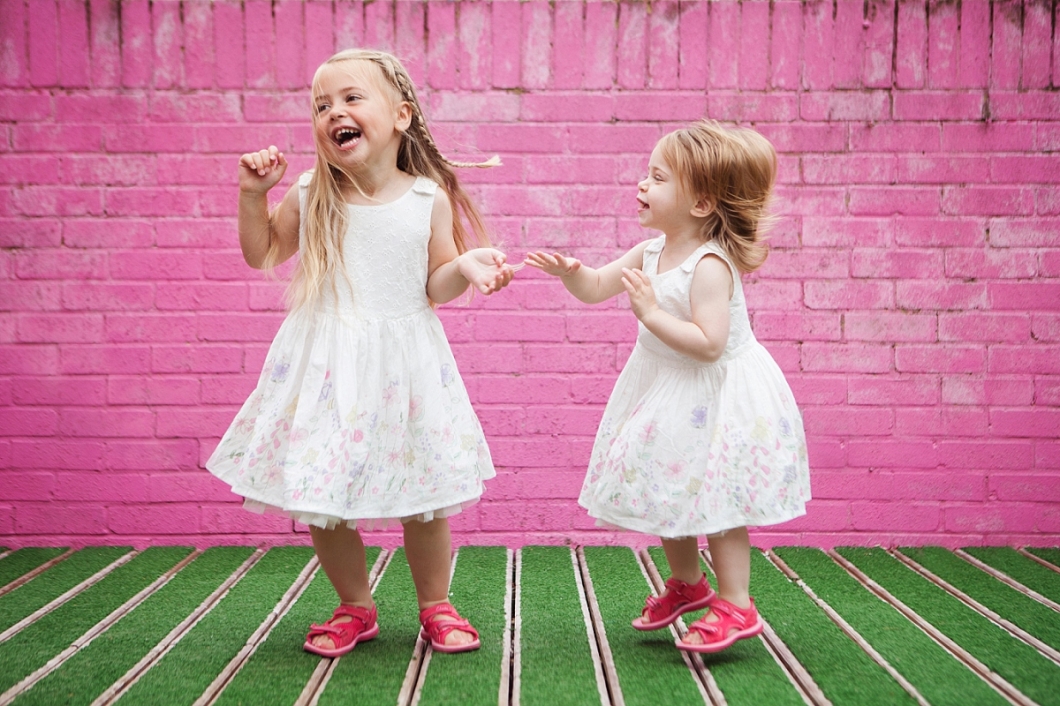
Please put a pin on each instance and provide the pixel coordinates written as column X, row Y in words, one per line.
column 359, row 414
column 701, row 434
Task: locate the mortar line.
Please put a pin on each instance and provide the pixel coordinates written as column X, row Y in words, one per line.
column 517, row 632
column 221, row 682
column 321, row 675
column 1007, row 580
column 33, row 573
column 797, row 674
column 613, row 692
column 1038, row 559
column 708, row 688
column 847, row 628
column 504, row 693
column 95, row 631
column 1016, row 631
column 424, row 649
column 56, row 602
column 984, row 672
column 118, row 689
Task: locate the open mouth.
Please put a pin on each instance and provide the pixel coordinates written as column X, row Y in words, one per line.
column 346, row 137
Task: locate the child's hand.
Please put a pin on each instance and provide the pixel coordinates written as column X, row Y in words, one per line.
column 554, row 264
column 641, row 294
column 486, row 269
column 260, row 171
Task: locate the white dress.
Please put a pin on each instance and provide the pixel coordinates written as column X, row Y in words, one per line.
column 360, row 413
column 687, row 448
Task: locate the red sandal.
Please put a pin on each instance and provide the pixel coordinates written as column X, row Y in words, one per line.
column 344, row 636
column 733, row 623
column 680, row 597
column 438, row 630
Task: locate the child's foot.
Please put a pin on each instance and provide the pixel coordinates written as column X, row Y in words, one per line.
column 721, row 627
column 348, row 625
column 446, row 630
column 679, row 598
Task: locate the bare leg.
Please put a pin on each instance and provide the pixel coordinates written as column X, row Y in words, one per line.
column 683, row 557
column 428, row 547
column 341, row 554
column 731, row 556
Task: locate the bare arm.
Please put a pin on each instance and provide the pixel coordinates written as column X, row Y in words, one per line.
column 258, row 228
column 590, row 285
column 448, row 272
column 704, row 337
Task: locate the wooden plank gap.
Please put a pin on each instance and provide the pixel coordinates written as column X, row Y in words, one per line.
column 612, row 693
column 416, row 674
column 30, row 575
column 1007, row 580
column 504, row 692
column 1038, row 559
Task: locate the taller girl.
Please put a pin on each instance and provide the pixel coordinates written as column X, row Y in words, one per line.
column 701, row 435
column 359, row 417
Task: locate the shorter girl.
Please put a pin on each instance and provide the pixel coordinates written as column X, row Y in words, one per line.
column 701, row 434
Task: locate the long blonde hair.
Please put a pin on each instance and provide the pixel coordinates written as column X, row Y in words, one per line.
column 735, row 170
column 325, row 216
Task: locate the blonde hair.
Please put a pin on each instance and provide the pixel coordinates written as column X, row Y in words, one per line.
column 325, row 217
column 734, row 169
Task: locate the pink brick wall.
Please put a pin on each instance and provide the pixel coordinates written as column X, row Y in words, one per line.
column 912, row 297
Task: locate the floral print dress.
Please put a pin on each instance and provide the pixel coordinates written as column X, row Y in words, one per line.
column 359, row 413
column 687, row 448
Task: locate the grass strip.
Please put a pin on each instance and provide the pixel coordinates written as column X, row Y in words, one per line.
column 478, row 590
column 843, row 671
column 54, row 582
column 279, row 669
column 556, row 660
column 1022, row 610
column 1027, row 571
column 94, row 668
column 746, row 672
column 31, row 648
column 374, row 672
column 19, row 563
column 939, row 676
column 1015, row 661
column 193, row 663
column 650, row 669
column 1050, row 554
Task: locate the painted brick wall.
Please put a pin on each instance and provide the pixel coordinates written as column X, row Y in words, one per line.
column 912, row 296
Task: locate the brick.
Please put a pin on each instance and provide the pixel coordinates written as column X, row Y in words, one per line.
column 861, row 105
column 890, row 263
column 60, row 328
column 852, row 357
column 229, row 389
column 849, row 169
column 93, row 360
column 847, row 421
column 567, row 107
column 931, row 169
column 895, row 137
column 106, row 487
column 26, row 359
column 942, row 486
column 799, row 326
column 991, row 264
column 23, row 421
column 1023, row 232
column 913, row 358
column 1035, row 359
column 818, row 45
column 155, row 518
column 660, row 105
column 940, row 232
column 902, row 390
column 81, row 519
column 1045, row 326
column 940, row 296
column 1024, row 423
column 1031, row 105
column 993, row 518
column 849, row 295
column 892, row 454
column 53, row 201
column 1024, row 296
column 898, row 326
column 885, row 201
column 60, row 264
column 847, row 232
column 910, row 516
column 988, row 327
column 988, row 137
column 23, row 486
column 987, row 455
column 28, row 169
column 753, row 107
column 879, row 38
column 29, row 233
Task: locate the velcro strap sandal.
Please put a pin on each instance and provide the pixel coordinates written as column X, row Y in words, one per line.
column 437, row 630
column 679, row 598
column 344, row 636
column 733, row 624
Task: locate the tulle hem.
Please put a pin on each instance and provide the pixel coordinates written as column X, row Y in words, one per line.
column 324, row 521
column 646, row 526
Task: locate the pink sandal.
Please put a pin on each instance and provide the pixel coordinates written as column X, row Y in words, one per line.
column 438, row 630
column 733, row 624
column 361, row 627
column 679, row 598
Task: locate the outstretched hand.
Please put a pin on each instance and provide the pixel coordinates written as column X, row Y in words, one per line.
column 260, row 171
column 486, row 269
column 641, row 295
column 554, row 264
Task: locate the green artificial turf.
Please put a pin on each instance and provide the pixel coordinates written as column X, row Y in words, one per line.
column 650, row 669
column 478, row 590
column 31, row 648
column 1050, row 554
column 19, row 563
column 936, row 674
column 1015, row 661
column 54, row 582
column 1028, row 572
column 94, row 668
column 556, row 661
column 190, row 667
column 746, row 672
column 374, row 671
column 279, row 669
column 1022, row 610
column 841, row 669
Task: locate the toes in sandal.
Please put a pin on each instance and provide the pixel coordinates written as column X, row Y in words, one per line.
column 680, row 597
column 437, row 630
column 360, row 627
column 733, row 624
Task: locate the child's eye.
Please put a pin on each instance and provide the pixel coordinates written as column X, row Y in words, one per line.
column 321, row 107
column 351, row 98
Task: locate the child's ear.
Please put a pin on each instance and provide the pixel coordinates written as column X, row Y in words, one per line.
column 703, row 208
column 404, row 116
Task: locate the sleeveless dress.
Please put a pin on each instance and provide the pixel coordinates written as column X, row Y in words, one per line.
column 687, row 448
column 359, row 412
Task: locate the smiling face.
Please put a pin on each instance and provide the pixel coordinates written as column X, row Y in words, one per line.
column 662, row 203
column 359, row 119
